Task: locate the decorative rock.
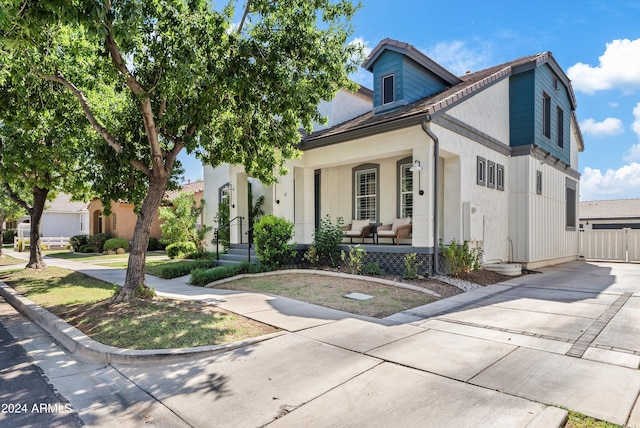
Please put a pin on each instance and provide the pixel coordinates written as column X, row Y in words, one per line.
column 111, row 252
column 121, row 251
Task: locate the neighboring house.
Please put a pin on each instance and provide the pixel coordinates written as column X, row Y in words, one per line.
column 61, row 218
column 490, row 157
column 122, row 221
column 612, row 214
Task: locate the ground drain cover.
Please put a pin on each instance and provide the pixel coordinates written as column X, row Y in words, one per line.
column 358, row 296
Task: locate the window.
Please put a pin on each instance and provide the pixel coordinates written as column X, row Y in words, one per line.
column 491, row 175
column 113, row 220
column 571, row 204
column 405, row 191
column 546, row 115
column 365, row 181
column 555, row 83
column 539, row 182
column 388, row 95
column 560, row 124
column 500, row 177
column 481, row 171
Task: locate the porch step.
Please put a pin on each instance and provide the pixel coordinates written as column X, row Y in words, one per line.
column 236, row 254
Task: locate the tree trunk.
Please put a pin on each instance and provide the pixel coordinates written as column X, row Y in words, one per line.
column 2, row 220
column 35, row 252
column 138, row 250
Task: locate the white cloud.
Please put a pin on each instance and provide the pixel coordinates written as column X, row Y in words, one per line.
column 619, row 66
column 457, row 57
column 613, row 104
column 621, row 183
column 609, row 126
column 636, row 120
column 633, row 154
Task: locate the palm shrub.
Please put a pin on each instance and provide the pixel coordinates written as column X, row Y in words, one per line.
column 271, row 236
column 327, row 239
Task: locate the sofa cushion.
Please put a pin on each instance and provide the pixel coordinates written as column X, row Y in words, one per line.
column 382, row 233
column 400, row 222
column 358, row 225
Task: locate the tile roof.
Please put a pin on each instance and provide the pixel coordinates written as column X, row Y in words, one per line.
column 617, row 208
column 470, row 83
column 195, row 187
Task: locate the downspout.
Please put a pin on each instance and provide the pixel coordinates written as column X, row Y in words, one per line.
column 436, row 217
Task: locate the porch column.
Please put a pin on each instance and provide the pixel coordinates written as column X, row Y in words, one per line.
column 422, row 229
column 304, row 205
column 239, row 205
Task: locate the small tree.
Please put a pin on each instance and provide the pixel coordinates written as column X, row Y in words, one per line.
column 9, row 209
column 181, row 221
column 222, row 218
column 327, row 239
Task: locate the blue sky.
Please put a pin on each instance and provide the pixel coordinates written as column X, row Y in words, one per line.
column 597, row 43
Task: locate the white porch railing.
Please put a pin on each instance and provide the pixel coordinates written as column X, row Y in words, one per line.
column 47, row 241
column 619, row 245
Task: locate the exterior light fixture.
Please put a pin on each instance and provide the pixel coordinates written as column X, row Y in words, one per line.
column 416, row 167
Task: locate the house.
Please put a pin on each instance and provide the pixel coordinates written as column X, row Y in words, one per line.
column 490, row 157
column 61, row 217
column 122, row 221
column 611, row 214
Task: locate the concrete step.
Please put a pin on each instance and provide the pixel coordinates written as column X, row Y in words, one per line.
column 238, row 258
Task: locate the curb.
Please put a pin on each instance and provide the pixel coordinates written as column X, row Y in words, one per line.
column 324, row 273
column 81, row 345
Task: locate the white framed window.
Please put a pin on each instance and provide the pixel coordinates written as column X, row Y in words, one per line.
column 388, row 89
column 491, row 175
column 546, row 115
column 406, row 190
column 481, row 171
column 560, row 125
column 500, row 177
column 366, row 194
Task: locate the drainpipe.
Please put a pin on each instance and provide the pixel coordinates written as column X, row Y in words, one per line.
column 436, row 217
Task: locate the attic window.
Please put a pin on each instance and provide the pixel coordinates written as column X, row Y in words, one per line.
column 387, row 89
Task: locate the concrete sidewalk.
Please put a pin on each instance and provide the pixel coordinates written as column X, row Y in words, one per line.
column 489, row 357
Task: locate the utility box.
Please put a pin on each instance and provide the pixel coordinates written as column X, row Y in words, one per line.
column 472, row 222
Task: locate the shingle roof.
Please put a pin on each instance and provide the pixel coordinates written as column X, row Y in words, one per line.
column 617, row 208
column 63, row 203
column 470, row 83
column 195, row 187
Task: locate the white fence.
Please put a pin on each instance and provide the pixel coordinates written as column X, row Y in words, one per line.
column 619, row 245
column 47, row 241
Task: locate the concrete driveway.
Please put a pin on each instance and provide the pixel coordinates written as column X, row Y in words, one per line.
column 499, row 356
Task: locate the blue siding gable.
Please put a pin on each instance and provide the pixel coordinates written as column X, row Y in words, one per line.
column 412, row 81
column 526, row 111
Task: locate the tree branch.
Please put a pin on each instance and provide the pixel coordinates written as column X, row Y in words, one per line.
column 59, row 78
column 141, row 167
column 244, row 15
column 16, row 198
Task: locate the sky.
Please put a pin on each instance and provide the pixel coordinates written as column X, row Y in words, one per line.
column 597, row 44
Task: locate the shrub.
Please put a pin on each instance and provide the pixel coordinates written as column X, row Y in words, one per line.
column 327, row 239
column 353, row 259
column 460, row 259
column 311, row 256
column 271, row 236
column 371, row 269
column 411, row 266
column 86, row 248
column 175, row 270
column 153, row 244
column 181, row 250
column 203, row 277
column 144, row 292
column 97, row 241
column 114, row 243
column 200, row 255
column 8, row 235
column 78, row 241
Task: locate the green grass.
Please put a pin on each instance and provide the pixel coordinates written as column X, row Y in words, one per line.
column 578, row 420
column 6, row 261
column 91, row 257
column 140, row 324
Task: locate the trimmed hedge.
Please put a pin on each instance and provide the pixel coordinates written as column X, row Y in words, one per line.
column 203, row 277
column 177, row 269
column 114, row 243
column 97, row 241
column 181, row 250
column 8, row 235
column 153, row 244
column 78, row 241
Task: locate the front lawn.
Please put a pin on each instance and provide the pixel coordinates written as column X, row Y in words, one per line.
column 7, row 261
column 141, row 324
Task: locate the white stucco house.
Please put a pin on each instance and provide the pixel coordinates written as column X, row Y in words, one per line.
column 62, row 218
column 490, row 157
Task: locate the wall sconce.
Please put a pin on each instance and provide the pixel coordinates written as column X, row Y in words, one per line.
column 275, row 192
column 416, row 167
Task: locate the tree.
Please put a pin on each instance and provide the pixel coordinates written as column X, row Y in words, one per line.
column 43, row 138
column 193, row 80
column 181, row 221
column 8, row 210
